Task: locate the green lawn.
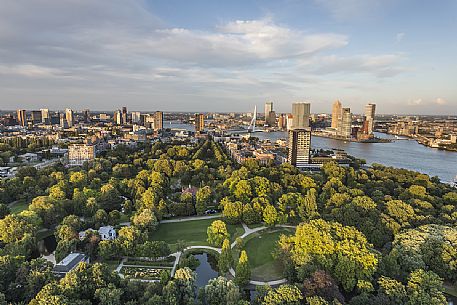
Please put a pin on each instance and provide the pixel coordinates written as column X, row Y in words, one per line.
column 450, row 289
column 18, row 206
column 259, row 249
column 191, row 232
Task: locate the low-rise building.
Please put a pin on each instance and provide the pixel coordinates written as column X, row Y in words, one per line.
column 70, row 262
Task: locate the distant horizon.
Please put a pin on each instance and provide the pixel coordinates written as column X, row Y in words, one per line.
column 224, row 112
column 195, row 55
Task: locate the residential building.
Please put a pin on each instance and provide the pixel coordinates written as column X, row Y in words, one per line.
column 268, row 108
column 336, row 114
column 45, row 117
column 21, row 117
column 299, row 146
column 370, row 110
column 199, row 122
column 124, row 115
column 136, row 117
column 69, row 117
column 158, row 120
column 36, row 116
column 86, row 115
column 107, row 233
column 80, row 153
column 345, row 123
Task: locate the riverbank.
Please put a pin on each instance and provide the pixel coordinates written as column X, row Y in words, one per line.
column 430, row 143
column 373, row 140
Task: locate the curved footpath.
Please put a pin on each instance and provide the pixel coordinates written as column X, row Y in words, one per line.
column 247, row 231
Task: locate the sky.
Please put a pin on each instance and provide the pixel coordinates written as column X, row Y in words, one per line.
column 227, row 56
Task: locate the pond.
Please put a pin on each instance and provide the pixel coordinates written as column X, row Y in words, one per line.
column 207, row 269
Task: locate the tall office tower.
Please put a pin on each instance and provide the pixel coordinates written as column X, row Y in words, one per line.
column 21, row 117
column 36, row 116
column 345, row 123
column 336, row 113
column 117, row 117
column 282, row 121
column 199, row 122
column 299, row 146
column 158, row 120
column 271, row 121
column 45, row 117
column 300, row 115
column 69, row 117
column 136, row 117
column 268, row 108
column 86, row 115
column 124, row 115
column 63, row 121
column 370, row 110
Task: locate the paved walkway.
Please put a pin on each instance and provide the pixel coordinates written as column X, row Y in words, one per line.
column 190, row 218
column 182, row 219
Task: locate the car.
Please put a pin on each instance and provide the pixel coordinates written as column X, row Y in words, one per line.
column 211, row 211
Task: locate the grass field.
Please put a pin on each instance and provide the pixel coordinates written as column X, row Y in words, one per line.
column 259, row 249
column 191, row 232
column 18, row 206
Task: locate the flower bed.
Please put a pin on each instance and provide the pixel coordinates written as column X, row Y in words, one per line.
column 143, row 273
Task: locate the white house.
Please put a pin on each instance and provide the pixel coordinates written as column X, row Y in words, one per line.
column 107, row 233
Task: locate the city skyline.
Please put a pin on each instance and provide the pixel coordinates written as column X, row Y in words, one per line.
column 149, row 55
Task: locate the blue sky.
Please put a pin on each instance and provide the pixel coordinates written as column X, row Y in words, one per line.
column 229, row 55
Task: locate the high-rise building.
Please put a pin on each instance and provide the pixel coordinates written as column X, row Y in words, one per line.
column 36, row 116
column 300, row 115
column 86, row 115
column 268, row 108
column 45, row 117
column 336, row 114
column 345, row 123
column 21, row 117
column 299, row 141
column 370, row 110
column 199, row 122
column 124, row 115
column 282, row 121
column 63, row 122
column 158, row 120
column 136, row 117
column 69, row 117
column 299, row 146
column 117, row 117
column 270, row 115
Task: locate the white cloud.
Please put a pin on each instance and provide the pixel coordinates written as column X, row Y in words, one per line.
column 440, row 101
column 384, row 65
column 399, row 37
column 415, row 102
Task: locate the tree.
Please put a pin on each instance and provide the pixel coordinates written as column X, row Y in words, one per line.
column 14, row 227
column 341, row 251
column 283, row 295
column 217, row 232
column 425, row 288
column 109, row 295
column 270, row 215
column 203, row 199
column 185, row 283
column 308, row 209
column 145, row 220
column 243, row 271
column 243, row 191
column 220, row 291
column 232, row 211
column 225, row 258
